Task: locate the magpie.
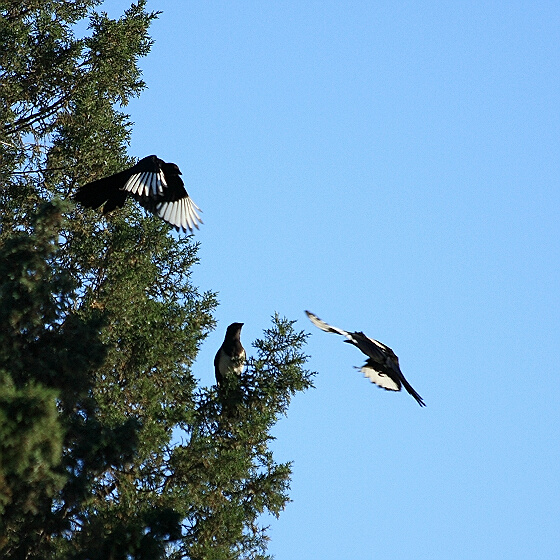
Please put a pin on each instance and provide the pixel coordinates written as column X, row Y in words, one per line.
column 230, row 358
column 382, row 365
column 154, row 184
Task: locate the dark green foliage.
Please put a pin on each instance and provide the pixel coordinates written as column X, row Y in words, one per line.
column 109, row 449
column 226, row 470
column 31, row 443
column 47, row 355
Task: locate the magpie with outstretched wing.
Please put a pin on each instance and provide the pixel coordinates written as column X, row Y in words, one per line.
column 382, row 365
column 154, row 183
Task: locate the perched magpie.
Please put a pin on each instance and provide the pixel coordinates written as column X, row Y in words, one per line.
column 382, row 365
column 230, row 358
column 155, row 184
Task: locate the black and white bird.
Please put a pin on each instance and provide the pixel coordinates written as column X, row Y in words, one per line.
column 155, row 184
column 382, row 364
column 230, row 358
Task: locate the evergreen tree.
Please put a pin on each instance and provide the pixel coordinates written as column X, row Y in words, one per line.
column 109, row 448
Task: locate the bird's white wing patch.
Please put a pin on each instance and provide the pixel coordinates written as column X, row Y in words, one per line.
column 325, row 326
column 175, row 213
column 145, row 184
column 152, row 187
column 161, row 182
column 379, row 378
column 180, row 213
column 384, row 348
column 132, row 184
column 165, row 210
column 187, row 219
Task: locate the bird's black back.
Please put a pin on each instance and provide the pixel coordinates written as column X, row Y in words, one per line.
column 379, row 354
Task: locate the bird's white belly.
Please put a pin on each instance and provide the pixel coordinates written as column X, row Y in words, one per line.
column 229, row 364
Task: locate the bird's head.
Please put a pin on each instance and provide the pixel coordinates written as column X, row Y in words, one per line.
column 233, row 332
column 171, row 169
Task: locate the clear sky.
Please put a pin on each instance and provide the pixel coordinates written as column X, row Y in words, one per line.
column 394, row 167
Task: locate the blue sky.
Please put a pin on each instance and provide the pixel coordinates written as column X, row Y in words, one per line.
column 393, row 167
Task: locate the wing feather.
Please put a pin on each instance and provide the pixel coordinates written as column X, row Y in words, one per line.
column 325, row 326
column 375, row 375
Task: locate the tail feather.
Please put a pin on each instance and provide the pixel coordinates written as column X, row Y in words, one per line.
column 409, row 388
column 103, row 191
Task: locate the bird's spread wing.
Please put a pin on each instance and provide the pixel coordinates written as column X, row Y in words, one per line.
column 371, row 348
column 326, row 327
column 180, row 213
column 368, row 346
column 374, row 349
column 375, row 374
column 146, row 180
column 382, row 366
column 156, row 185
column 146, row 184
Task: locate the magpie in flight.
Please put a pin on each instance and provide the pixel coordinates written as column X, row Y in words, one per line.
column 230, row 358
column 382, row 365
column 155, row 184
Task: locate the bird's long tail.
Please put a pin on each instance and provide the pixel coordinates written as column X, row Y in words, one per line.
column 106, row 190
column 409, row 388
